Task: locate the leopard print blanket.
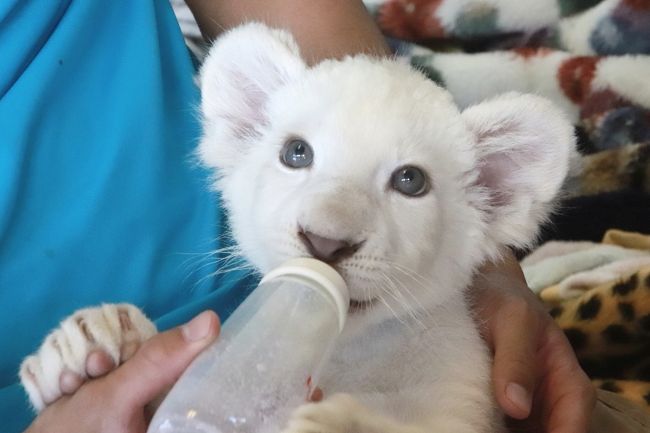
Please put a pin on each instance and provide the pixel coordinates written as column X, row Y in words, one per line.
column 603, row 309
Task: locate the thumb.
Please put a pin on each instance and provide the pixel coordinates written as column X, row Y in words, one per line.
column 162, row 359
column 514, row 372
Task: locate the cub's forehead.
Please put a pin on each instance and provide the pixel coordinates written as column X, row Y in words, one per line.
column 369, row 103
column 364, row 86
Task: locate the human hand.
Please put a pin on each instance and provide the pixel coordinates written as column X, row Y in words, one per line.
column 536, row 375
column 116, row 402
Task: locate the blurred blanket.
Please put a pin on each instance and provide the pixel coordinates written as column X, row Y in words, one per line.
column 592, row 61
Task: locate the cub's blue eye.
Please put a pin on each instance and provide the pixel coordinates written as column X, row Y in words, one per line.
column 410, row 181
column 296, row 153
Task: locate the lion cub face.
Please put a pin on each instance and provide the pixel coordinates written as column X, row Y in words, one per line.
column 367, row 165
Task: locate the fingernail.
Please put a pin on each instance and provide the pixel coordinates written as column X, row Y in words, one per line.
column 69, row 382
column 316, row 395
column 518, row 395
column 197, row 328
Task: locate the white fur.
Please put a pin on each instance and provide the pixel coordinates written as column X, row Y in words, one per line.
column 414, row 361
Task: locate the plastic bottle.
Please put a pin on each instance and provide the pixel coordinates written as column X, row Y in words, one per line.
column 266, row 360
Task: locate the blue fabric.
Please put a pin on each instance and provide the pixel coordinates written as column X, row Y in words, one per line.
column 99, row 198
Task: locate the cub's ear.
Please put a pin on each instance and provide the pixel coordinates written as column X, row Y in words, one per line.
column 524, row 144
column 242, row 70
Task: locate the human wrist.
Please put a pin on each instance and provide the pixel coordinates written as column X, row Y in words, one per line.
column 503, row 273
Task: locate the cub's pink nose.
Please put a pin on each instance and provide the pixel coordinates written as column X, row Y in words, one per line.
column 325, row 249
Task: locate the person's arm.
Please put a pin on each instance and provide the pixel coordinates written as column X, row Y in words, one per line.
column 536, row 376
column 323, row 28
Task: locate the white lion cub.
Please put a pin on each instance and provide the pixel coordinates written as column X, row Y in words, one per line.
column 369, row 166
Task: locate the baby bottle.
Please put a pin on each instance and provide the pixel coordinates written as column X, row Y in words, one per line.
column 266, row 360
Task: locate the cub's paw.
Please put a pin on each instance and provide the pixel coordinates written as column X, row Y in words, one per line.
column 90, row 343
column 340, row 413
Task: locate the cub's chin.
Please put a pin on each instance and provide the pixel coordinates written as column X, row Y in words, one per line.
column 361, row 320
column 366, row 313
column 369, row 305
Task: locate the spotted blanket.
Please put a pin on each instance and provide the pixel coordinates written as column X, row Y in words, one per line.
column 599, row 294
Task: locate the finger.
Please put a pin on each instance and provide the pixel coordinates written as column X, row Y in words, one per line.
column 569, row 394
column 98, row 363
column 70, row 381
column 162, row 359
column 572, row 412
column 515, row 336
column 316, row 395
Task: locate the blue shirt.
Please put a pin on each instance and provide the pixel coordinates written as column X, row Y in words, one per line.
column 100, row 200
